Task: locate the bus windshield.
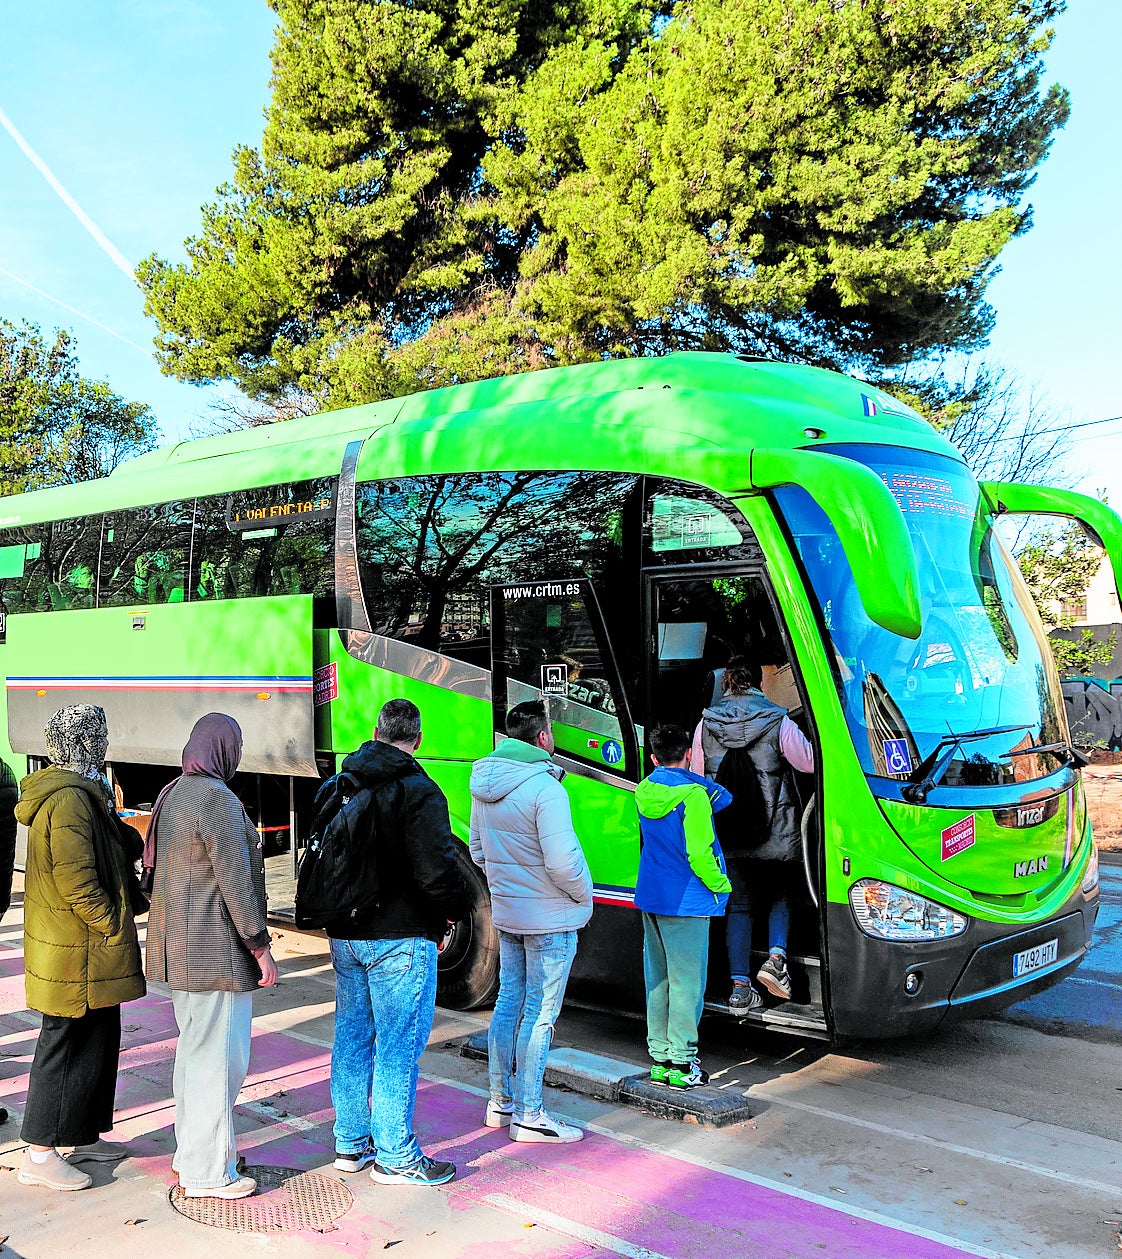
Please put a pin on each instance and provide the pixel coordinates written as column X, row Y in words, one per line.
column 979, row 682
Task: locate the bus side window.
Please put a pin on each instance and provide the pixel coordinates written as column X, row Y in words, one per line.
column 431, row 547
column 65, row 574
column 278, row 540
column 144, row 555
column 23, row 584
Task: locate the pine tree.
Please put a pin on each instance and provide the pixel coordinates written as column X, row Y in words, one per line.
column 448, row 189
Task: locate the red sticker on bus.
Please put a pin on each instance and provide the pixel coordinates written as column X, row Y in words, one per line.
column 325, row 684
column 958, row 837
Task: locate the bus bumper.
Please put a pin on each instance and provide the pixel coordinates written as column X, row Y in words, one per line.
column 968, row 977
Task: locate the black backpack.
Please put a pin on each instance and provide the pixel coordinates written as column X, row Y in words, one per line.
column 338, row 875
column 744, row 825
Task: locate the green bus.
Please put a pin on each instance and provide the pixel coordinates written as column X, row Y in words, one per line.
column 606, row 536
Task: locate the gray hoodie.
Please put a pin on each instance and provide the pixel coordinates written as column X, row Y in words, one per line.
column 752, row 722
column 523, row 839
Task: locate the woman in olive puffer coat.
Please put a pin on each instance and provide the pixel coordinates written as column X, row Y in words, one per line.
column 81, row 955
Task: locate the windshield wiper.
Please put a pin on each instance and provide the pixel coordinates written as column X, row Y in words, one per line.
column 1071, row 755
column 929, row 773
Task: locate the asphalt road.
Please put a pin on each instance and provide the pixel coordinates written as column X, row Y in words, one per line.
column 1003, row 1132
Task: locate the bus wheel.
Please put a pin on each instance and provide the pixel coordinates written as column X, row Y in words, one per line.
column 468, row 960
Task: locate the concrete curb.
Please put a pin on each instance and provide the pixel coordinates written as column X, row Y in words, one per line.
column 613, row 1080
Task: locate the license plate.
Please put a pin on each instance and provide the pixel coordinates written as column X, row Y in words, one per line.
column 1034, row 958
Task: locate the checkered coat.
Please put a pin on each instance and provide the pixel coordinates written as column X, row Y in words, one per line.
column 208, row 896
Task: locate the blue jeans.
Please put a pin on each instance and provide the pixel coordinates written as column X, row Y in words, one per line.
column 756, row 886
column 385, row 997
column 533, row 972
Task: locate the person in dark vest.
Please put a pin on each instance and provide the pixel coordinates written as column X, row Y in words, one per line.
column 761, row 869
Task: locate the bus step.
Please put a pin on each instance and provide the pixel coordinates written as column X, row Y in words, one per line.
column 808, row 1020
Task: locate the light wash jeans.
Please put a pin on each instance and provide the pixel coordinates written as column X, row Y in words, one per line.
column 211, row 1060
column 533, row 972
column 385, row 998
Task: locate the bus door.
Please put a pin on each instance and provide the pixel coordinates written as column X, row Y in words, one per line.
column 697, row 619
column 549, row 641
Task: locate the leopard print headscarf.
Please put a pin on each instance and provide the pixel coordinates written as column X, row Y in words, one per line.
column 77, row 739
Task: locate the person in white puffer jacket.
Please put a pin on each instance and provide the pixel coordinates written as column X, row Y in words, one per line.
column 522, row 837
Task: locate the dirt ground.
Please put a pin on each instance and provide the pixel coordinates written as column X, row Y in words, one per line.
column 1103, row 784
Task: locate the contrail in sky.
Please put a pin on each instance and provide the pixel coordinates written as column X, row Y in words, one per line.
column 73, row 310
column 114, row 254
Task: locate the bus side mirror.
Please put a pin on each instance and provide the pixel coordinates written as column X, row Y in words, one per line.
column 869, row 525
column 1102, row 525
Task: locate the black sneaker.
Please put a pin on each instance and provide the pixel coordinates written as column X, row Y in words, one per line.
column 774, row 976
column 744, row 998
column 425, row 1171
column 355, row 1160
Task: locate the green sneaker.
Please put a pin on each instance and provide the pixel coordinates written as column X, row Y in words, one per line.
column 659, row 1072
column 686, row 1075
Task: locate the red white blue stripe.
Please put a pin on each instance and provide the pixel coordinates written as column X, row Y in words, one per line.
column 239, row 683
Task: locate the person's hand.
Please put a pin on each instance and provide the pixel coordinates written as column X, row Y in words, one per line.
column 268, row 968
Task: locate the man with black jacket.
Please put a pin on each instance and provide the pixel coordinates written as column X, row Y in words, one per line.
column 385, row 959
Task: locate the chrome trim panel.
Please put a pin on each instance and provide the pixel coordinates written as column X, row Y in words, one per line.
column 350, row 606
column 150, row 726
column 417, row 662
column 581, row 770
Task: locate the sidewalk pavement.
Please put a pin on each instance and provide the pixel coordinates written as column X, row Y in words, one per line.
column 616, row 1192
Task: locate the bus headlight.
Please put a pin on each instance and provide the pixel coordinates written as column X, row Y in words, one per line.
column 892, row 913
column 1091, row 874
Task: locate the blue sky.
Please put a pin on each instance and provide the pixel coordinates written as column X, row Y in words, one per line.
column 136, row 106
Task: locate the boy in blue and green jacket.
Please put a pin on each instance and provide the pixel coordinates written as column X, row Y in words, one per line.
column 682, row 883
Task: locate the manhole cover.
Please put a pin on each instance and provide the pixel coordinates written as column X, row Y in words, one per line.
column 286, row 1201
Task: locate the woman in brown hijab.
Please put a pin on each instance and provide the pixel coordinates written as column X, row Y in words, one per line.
column 208, row 941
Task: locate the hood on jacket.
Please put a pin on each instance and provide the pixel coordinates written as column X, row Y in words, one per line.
column 665, row 789
column 742, row 720
column 36, row 789
column 508, row 767
column 379, row 763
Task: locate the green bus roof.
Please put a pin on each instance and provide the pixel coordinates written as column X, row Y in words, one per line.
column 694, row 416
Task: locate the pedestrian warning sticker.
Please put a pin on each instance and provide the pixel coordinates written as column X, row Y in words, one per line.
column 325, row 684
column 958, row 838
column 555, row 679
column 611, row 751
column 897, row 757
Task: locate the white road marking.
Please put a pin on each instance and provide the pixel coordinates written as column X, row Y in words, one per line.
column 592, row 1236
column 1097, row 1186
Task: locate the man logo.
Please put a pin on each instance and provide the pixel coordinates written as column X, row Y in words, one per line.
column 1036, row 866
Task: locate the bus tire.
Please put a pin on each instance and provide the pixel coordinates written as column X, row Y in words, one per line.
column 468, row 962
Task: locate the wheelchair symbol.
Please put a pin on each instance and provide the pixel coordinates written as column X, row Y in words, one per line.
column 897, row 757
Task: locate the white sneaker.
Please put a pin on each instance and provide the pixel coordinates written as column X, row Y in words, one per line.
column 54, row 1173
column 496, row 1116
column 243, row 1187
column 544, row 1130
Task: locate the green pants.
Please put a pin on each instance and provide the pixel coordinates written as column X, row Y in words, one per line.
column 675, row 961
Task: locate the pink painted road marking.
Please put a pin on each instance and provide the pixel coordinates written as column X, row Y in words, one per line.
column 647, row 1200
